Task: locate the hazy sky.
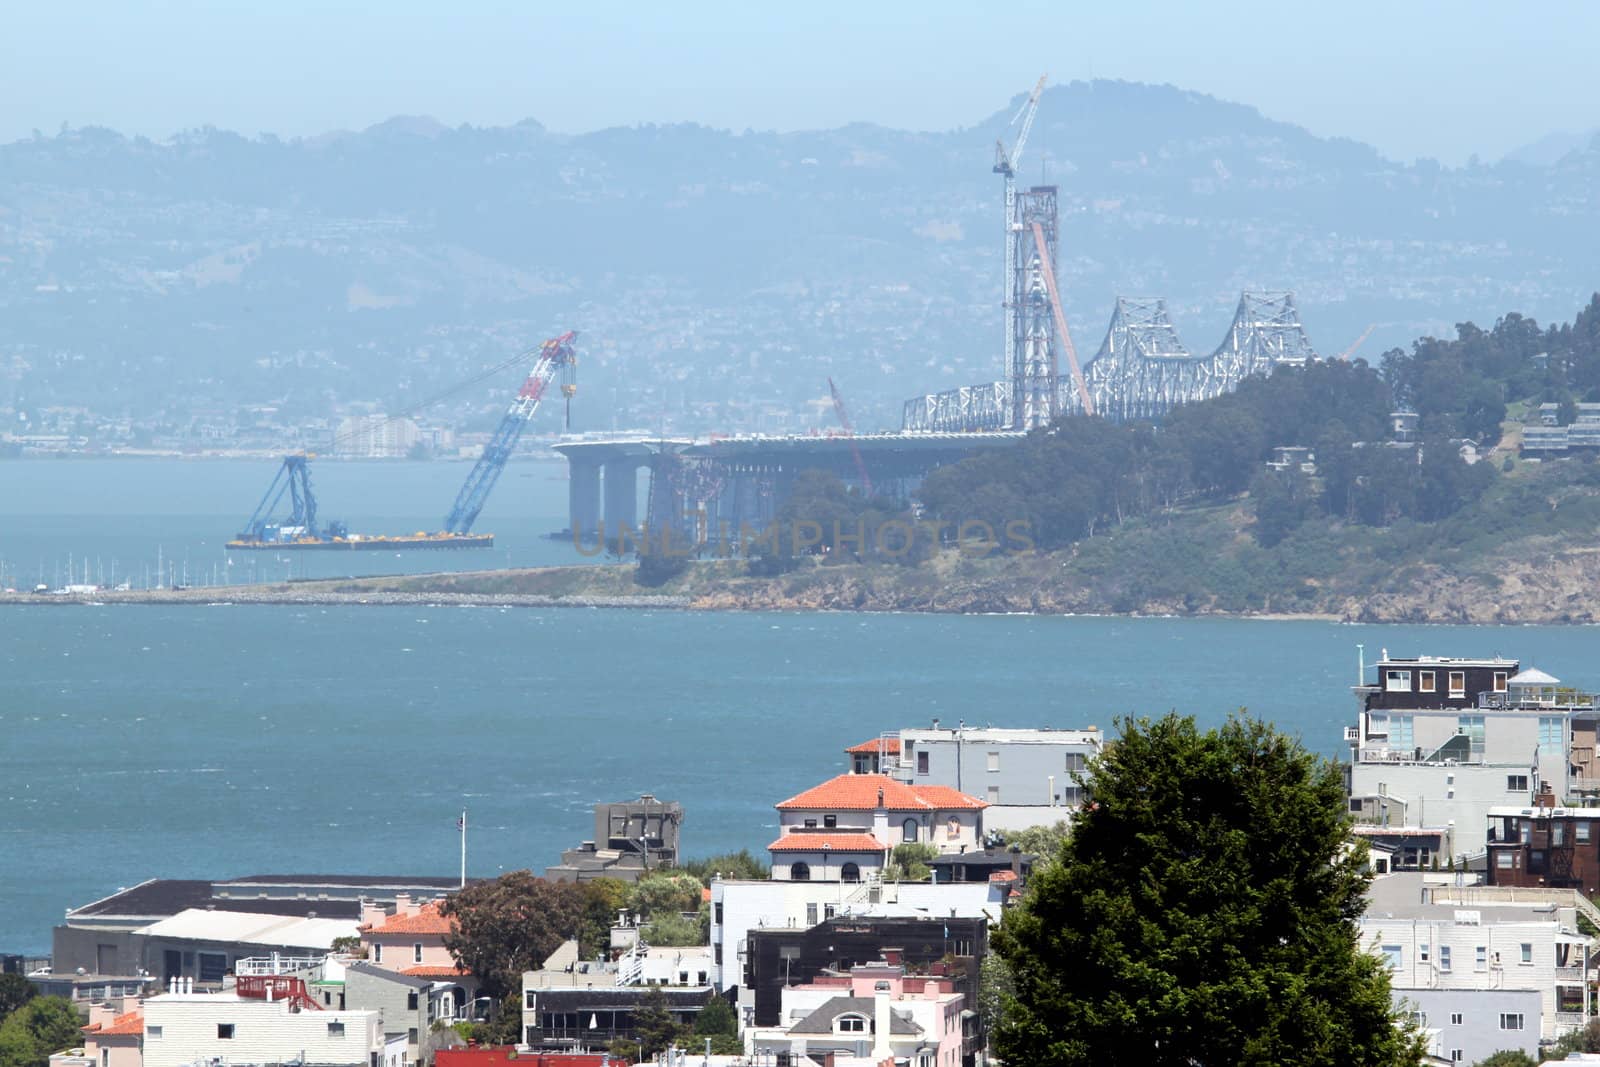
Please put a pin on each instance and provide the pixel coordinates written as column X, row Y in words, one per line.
column 1412, row 78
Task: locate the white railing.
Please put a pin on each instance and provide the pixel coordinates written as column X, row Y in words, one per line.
column 262, row 966
column 630, row 968
column 1508, row 894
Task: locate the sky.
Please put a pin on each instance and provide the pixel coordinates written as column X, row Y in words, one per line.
column 1412, row 77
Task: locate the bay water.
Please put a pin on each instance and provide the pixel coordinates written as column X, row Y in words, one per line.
column 162, row 741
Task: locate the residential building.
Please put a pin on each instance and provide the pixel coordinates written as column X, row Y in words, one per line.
column 105, row 937
column 115, row 1034
column 411, row 939
column 1026, row 777
column 185, row 1028
column 204, row 944
column 1433, row 949
column 1468, row 1025
column 874, row 1014
column 739, row 908
column 686, row 966
column 780, row 957
column 630, row 838
column 844, row 829
column 590, row 1018
column 1544, row 845
column 407, row 1006
column 1439, row 741
column 375, row 437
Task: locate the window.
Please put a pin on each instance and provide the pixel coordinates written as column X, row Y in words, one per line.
column 416, row 953
column 1471, row 726
column 1558, row 834
column 799, row 872
column 1456, row 1055
column 716, row 912
column 411, row 1000
column 1425, row 682
column 829, row 910
column 1527, row 952
column 1580, row 831
column 377, row 952
column 1402, row 733
column 922, row 763
column 1455, row 1018
column 1550, row 733
column 1480, row 958
column 530, row 999
column 152, row 1032
column 224, row 1031
column 1397, row 681
column 1075, row 762
column 213, row 965
column 1511, row 1020
column 336, row 1029
column 1356, row 804
column 908, row 830
column 851, row 1024
column 1444, row 957
column 1458, row 683
column 1499, row 681
column 1516, row 783
column 1422, row 951
column 994, row 794
column 411, row 1035
column 1502, row 860
column 811, row 915
column 811, row 824
column 830, row 821
column 994, row 761
column 702, row 977
column 1391, row 957
column 849, row 873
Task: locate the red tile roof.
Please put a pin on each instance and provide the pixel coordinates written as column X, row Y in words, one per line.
column 426, row 920
column 889, row 746
column 865, row 792
column 1003, row 876
column 833, row 843
column 436, row 971
column 129, row 1022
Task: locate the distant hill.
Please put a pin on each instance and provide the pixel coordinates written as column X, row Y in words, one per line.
column 719, row 278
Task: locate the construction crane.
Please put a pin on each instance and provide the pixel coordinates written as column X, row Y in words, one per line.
column 555, row 357
column 850, row 432
column 1005, row 164
column 294, row 478
column 1347, row 353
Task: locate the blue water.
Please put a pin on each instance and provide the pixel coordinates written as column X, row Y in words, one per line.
column 131, row 518
column 190, row 742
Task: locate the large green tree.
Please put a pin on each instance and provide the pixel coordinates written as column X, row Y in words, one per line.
column 15, row 991
column 38, row 1028
column 509, row 925
column 1202, row 912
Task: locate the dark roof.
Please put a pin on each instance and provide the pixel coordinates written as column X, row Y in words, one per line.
column 821, row 1020
column 383, row 973
column 165, row 897
column 618, row 997
column 986, row 858
column 430, row 881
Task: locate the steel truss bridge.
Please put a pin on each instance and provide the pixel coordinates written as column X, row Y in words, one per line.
column 1141, row 371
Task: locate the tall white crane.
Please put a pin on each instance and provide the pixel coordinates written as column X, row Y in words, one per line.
column 1005, row 164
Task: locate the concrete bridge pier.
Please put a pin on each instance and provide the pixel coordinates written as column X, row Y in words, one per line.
column 621, row 494
column 583, row 497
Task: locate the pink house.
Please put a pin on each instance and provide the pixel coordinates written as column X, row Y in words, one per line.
column 411, row 940
column 114, row 1037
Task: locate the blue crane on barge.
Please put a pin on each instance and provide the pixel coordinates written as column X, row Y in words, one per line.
column 556, row 359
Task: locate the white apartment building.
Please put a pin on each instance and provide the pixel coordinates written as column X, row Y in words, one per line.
column 1434, row 949
column 1439, row 741
column 184, row 1029
column 1027, row 777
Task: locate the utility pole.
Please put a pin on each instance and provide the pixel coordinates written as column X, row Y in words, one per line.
column 461, row 825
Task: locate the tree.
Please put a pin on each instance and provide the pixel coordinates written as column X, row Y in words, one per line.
column 653, row 1022
column 510, row 925
column 718, row 1021
column 1512, row 1057
column 666, row 892
column 1202, row 912
column 15, row 991
column 729, row 865
column 1584, row 1040
column 669, row 929
column 604, row 900
column 909, row 862
column 1041, row 841
column 41, row 1026
column 995, row 986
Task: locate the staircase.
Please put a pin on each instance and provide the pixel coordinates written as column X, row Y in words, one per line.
column 630, row 968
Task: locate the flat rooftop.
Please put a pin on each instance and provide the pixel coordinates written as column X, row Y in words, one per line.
column 1400, row 896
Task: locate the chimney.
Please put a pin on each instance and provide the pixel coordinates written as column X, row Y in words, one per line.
column 402, row 903
column 882, row 1023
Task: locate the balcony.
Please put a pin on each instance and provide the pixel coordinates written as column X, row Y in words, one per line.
column 1352, row 733
column 1536, row 698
